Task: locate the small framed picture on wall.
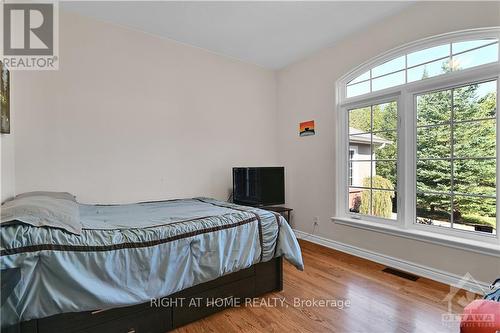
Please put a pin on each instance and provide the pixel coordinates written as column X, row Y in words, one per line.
column 306, row 128
column 4, row 99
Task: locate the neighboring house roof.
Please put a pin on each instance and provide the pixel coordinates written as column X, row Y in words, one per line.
column 355, row 136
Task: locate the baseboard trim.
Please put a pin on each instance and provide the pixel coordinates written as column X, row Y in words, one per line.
column 467, row 283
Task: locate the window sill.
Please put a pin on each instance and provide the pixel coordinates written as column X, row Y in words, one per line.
column 487, row 248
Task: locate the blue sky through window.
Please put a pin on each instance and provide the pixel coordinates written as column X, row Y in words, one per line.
column 425, row 63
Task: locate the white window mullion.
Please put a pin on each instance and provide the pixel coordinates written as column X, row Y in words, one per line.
column 406, row 160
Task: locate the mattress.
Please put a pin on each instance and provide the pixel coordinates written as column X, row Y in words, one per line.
column 130, row 254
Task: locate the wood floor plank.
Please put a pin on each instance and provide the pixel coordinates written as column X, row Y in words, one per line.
column 380, row 302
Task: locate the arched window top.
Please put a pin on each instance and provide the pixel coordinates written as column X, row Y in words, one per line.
column 424, row 59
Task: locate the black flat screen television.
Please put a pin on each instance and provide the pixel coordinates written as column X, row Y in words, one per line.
column 259, row 186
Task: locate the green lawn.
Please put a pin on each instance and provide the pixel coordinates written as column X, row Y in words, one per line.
column 476, row 219
column 465, row 219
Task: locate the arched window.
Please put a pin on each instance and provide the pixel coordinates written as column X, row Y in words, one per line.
column 417, row 138
column 425, row 63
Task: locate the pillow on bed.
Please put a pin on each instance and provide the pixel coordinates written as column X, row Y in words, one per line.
column 55, row 195
column 44, row 209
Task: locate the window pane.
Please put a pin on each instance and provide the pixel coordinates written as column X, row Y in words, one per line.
column 362, row 77
column 434, row 209
column 360, row 120
column 360, row 174
column 475, row 139
column 419, row 57
column 475, row 176
column 471, row 44
column 384, row 175
column 389, row 67
column 477, row 57
column 388, row 81
column 358, row 89
column 434, row 142
column 361, row 145
column 359, row 201
column 434, row 108
column 385, row 116
column 475, row 101
column 373, row 160
column 385, row 145
column 475, row 214
column 434, row 176
column 471, row 172
column 382, row 204
column 428, row 70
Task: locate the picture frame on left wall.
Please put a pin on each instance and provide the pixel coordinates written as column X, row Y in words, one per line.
column 4, row 99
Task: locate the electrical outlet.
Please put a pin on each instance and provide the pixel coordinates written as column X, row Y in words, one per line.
column 316, row 220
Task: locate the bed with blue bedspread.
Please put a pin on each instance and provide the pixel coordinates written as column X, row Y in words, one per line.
column 122, row 255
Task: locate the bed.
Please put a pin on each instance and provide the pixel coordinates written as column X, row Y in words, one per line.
column 127, row 260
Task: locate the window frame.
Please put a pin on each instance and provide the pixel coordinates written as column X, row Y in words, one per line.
column 460, row 36
column 470, row 78
column 362, row 104
column 405, row 96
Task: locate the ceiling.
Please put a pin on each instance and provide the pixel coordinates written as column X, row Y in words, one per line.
column 270, row 34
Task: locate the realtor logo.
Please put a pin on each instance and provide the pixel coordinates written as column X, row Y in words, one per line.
column 460, row 296
column 29, row 36
column 28, row 29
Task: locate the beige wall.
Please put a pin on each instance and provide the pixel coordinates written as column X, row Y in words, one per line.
column 306, row 91
column 129, row 117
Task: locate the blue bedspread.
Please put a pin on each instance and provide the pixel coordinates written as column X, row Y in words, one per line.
column 129, row 254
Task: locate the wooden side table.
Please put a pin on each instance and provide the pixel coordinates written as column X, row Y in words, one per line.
column 280, row 210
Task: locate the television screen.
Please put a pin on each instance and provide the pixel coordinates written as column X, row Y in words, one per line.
column 259, row 186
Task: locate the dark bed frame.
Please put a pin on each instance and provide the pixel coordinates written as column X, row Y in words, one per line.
column 172, row 311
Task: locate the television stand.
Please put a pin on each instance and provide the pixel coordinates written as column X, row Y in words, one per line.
column 281, row 210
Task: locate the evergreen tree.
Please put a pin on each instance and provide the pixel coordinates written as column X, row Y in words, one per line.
column 471, row 140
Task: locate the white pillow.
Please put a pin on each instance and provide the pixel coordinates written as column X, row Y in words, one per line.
column 43, row 209
column 55, row 195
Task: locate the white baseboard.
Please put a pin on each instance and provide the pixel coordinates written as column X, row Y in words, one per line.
column 467, row 282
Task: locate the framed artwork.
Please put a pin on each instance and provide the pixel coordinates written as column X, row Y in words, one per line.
column 306, row 128
column 4, row 99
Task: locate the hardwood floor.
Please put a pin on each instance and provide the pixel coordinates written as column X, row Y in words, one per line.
column 379, row 302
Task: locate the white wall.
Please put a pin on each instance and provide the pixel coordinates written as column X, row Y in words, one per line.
column 129, row 117
column 306, row 91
